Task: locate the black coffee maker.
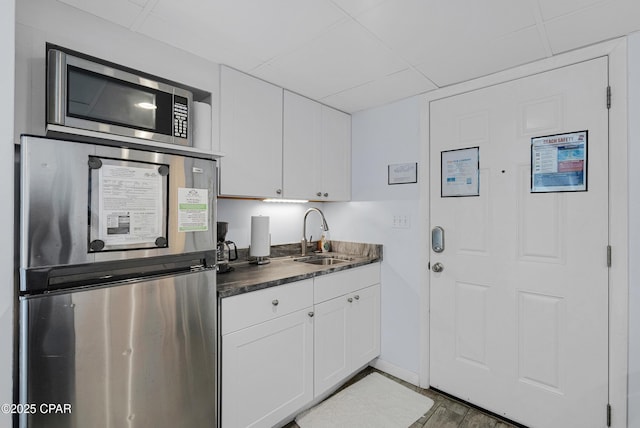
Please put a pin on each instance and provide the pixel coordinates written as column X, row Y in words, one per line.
column 223, row 249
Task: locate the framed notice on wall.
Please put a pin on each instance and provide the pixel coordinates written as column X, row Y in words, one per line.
column 402, row 173
column 559, row 163
column 460, row 173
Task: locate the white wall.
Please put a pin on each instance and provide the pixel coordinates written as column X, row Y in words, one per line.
column 7, row 13
column 634, row 230
column 285, row 220
column 382, row 136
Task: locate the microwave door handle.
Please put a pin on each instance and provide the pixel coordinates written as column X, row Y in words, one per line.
column 57, row 82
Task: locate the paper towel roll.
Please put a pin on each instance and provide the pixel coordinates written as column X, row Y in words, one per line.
column 260, row 245
column 202, row 126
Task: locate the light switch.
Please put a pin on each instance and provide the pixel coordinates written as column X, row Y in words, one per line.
column 401, row 221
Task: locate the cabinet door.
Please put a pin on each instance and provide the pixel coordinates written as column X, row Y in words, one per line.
column 250, row 136
column 302, row 148
column 267, row 371
column 336, row 157
column 364, row 323
column 331, row 344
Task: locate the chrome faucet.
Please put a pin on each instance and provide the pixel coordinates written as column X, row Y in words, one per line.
column 325, row 227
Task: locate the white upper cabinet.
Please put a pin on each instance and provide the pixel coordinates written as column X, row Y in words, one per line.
column 302, row 150
column 336, row 160
column 316, row 151
column 277, row 145
column 250, row 136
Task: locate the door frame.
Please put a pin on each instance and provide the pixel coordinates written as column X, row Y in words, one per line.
column 616, row 51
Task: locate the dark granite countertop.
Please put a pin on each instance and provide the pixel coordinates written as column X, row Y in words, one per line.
column 247, row 277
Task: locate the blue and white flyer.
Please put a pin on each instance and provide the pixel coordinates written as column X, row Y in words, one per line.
column 559, row 163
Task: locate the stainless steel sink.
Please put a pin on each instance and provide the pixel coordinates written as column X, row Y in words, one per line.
column 323, row 260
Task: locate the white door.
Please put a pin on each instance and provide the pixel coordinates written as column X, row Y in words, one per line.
column 336, row 155
column 267, row 371
column 332, row 344
column 250, row 136
column 519, row 315
column 364, row 322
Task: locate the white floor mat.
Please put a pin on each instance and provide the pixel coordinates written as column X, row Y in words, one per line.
column 373, row 402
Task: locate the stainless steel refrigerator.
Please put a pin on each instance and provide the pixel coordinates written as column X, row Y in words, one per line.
column 117, row 287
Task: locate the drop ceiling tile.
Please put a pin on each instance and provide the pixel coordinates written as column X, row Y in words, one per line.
column 355, row 7
column 387, row 89
column 472, row 60
column 121, row 12
column 416, row 27
column 594, row 24
column 345, row 57
column 555, row 8
column 261, row 28
column 198, row 41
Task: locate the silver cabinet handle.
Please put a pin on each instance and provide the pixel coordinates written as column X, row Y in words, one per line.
column 279, row 191
column 349, row 300
column 311, row 314
column 319, row 194
column 356, row 297
column 275, row 302
column 326, row 195
column 437, row 267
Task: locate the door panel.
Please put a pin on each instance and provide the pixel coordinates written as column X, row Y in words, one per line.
column 267, row 371
column 364, row 320
column 519, row 315
column 332, row 344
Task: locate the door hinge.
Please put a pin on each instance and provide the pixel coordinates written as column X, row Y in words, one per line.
column 608, row 97
column 608, row 255
column 608, row 415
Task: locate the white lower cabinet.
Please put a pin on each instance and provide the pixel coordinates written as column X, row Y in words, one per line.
column 346, row 335
column 267, row 371
column 277, row 343
column 364, row 326
column 267, row 354
column 332, row 344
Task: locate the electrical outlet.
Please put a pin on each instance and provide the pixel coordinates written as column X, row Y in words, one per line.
column 401, row 222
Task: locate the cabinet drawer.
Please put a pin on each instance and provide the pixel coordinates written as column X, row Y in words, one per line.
column 336, row 284
column 244, row 310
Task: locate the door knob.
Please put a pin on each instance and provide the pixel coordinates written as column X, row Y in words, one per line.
column 437, row 267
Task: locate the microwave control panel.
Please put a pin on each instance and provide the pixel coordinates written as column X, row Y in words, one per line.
column 180, row 115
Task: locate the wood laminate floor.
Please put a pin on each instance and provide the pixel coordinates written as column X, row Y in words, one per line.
column 446, row 412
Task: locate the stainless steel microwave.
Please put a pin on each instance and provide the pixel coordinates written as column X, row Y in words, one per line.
column 86, row 95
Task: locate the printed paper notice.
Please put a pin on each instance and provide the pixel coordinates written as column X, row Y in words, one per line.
column 130, row 204
column 559, row 163
column 460, row 172
column 193, row 210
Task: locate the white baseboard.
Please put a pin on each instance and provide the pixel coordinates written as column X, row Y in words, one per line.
column 399, row 372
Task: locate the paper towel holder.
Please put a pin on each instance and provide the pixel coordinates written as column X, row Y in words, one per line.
column 259, row 260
